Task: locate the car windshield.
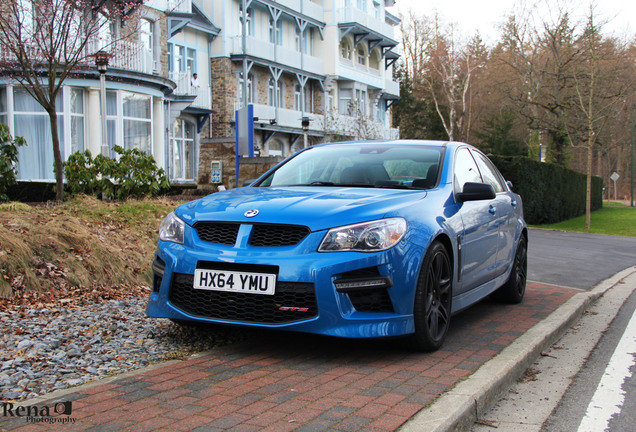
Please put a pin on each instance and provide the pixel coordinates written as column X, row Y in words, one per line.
column 360, row 165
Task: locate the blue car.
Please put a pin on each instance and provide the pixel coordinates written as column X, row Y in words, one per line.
column 355, row 240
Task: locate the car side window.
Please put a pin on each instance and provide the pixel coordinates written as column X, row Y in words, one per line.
column 465, row 170
column 489, row 173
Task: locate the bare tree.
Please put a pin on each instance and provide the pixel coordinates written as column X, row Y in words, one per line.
column 442, row 67
column 43, row 42
column 600, row 86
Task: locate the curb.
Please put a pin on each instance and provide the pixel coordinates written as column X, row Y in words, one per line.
column 460, row 407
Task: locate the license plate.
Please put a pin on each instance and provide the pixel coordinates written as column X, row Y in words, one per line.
column 234, row 281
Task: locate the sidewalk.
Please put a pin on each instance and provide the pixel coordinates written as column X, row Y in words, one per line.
column 279, row 381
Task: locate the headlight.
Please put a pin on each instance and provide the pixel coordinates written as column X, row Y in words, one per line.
column 171, row 229
column 365, row 237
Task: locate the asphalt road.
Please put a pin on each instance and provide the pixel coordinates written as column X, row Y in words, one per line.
column 606, row 408
column 577, row 260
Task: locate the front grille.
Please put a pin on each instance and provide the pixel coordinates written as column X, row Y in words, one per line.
column 278, row 235
column 371, row 300
column 217, row 232
column 252, row 308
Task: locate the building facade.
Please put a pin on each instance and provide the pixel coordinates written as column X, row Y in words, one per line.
column 173, row 87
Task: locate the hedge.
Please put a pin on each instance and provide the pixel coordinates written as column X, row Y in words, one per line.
column 550, row 193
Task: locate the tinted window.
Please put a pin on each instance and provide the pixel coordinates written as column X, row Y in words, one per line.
column 490, row 173
column 465, row 170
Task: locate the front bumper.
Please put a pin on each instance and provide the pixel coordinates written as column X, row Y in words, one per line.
column 300, row 269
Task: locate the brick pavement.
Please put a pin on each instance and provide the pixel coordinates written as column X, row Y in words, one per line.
column 278, row 381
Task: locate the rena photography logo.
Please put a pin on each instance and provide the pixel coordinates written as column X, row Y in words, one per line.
column 58, row 413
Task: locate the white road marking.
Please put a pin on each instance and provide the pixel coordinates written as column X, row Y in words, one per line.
column 609, row 396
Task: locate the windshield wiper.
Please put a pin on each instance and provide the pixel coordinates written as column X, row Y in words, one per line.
column 320, row 183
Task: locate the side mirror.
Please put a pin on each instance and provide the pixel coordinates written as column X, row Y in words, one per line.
column 476, row 192
column 509, row 183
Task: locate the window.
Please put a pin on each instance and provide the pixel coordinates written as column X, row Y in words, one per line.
column 3, row 105
column 250, row 88
column 77, row 120
column 128, row 121
column 249, row 27
column 35, row 160
column 381, row 111
column 490, row 173
column 146, row 37
column 275, row 93
column 137, row 121
column 274, row 148
column 298, row 97
column 297, row 41
column 465, row 170
column 182, row 151
column 191, row 60
column 361, row 103
column 377, row 10
column 362, row 56
column 345, row 97
column 362, row 5
column 276, row 31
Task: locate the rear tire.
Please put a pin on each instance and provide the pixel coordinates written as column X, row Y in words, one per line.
column 433, row 298
column 513, row 290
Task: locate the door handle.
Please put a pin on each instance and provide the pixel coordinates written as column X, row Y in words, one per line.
column 492, row 210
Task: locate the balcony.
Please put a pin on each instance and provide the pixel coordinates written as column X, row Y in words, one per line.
column 391, row 87
column 179, row 6
column 279, row 54
column 132, row 56
column 305, row 7
column 184, row 87
column 345, row 70
column 354, row 15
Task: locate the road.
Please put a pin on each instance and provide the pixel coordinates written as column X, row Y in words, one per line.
column 563, row 389
column 593, row 401
column 577, row 260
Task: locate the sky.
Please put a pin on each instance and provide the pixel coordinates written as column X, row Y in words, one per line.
column 487, row 15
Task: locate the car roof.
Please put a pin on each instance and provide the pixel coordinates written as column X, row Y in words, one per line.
column 404, row 142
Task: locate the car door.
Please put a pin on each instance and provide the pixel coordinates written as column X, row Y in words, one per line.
column 503, row 208
column 478, row 239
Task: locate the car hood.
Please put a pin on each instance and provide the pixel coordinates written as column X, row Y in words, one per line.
column 315, row 207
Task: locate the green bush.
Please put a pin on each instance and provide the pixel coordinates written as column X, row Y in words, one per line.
column 135, row 174
column 8, row 159
column 550, row 193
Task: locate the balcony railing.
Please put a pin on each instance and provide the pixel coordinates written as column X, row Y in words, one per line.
column 353, row 14
column 126, row 55
column 185, row 87
column 179, row 6
column 279, row 54
column 132, row 56
column 306, row 7
column 391, row 87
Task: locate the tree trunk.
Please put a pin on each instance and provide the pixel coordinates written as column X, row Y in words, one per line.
column 57, row 155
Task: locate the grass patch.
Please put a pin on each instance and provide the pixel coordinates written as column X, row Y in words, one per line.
column 82, row 245
column 613, row 219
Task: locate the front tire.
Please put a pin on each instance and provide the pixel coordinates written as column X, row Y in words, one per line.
column 433, row 298
column 513, row 290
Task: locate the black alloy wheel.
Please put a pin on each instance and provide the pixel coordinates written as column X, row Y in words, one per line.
column 433, row 297
column 513, row 290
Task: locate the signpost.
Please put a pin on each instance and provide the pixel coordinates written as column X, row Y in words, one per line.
column 244, row 135
column 615, row 176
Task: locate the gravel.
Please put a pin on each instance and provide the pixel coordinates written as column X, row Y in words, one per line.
column 42, row 350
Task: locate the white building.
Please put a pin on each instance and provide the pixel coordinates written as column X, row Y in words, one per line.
column 329, row 61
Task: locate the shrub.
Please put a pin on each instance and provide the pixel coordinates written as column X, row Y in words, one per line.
column 134, row 174
column 550, row 193
column 8, row 159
